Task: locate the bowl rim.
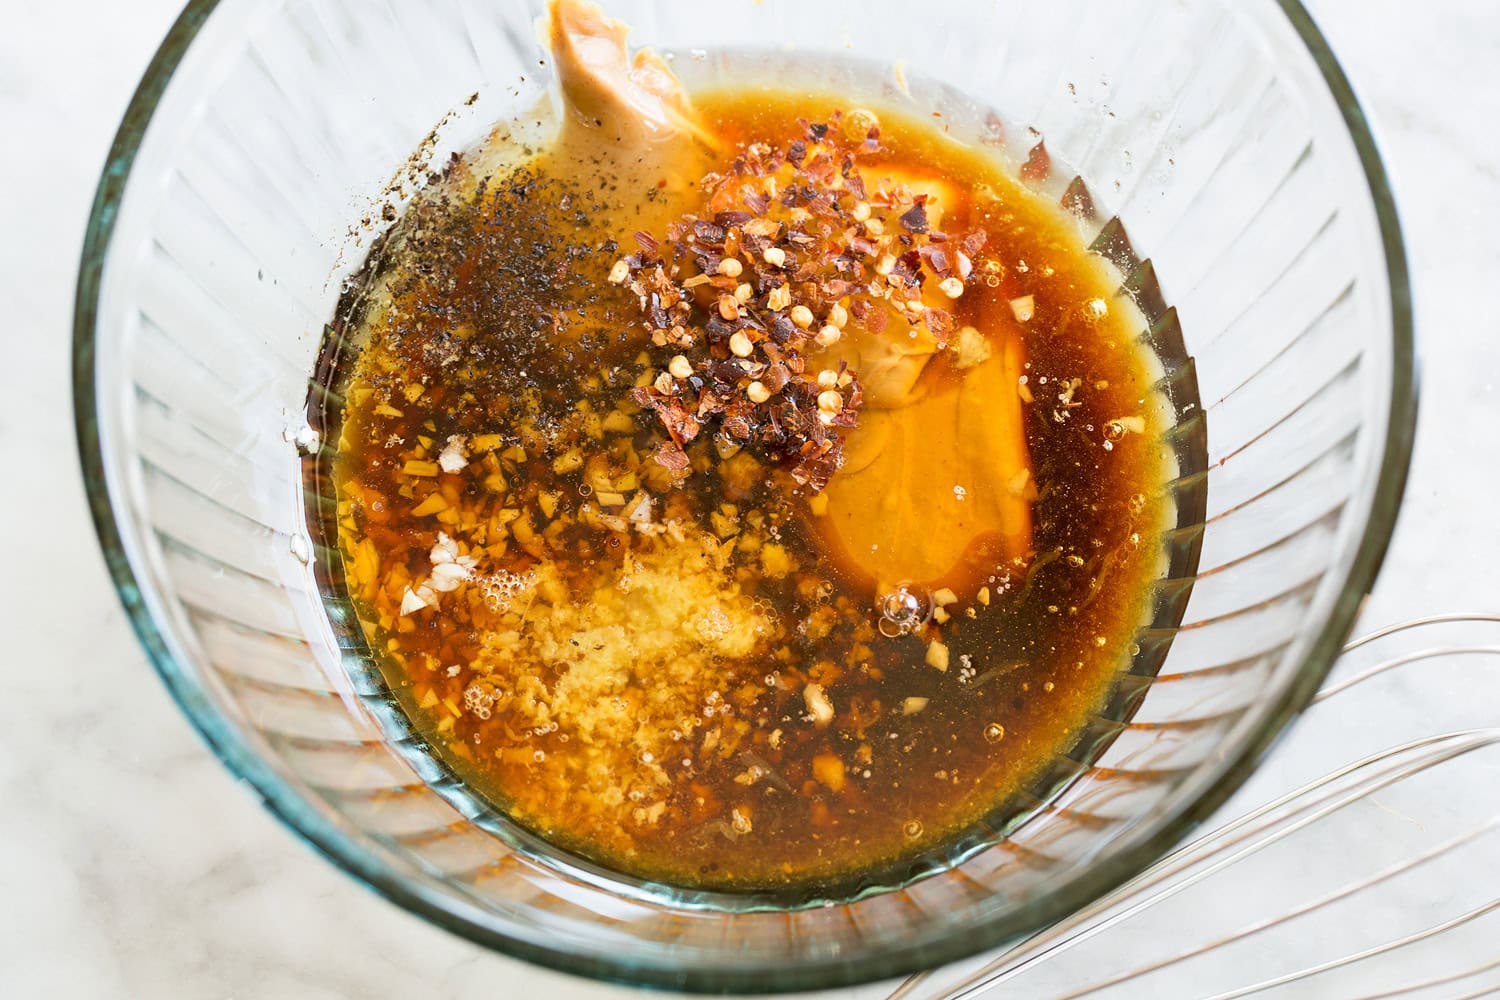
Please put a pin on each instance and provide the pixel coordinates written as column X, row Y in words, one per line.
column 365, row 866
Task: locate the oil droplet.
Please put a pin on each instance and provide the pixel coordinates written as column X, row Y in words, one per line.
column 994, row 732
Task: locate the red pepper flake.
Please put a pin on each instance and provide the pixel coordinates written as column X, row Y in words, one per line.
column 940, row 322
column 775, row 377
column 973, row 242
column 909, row 268
column 936, row 260
column 671, row 455
column 914, row 219
column 680, row 424
column 708, row 232
column 837, row 288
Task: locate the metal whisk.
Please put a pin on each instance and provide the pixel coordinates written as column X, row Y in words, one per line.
column 1360, row 861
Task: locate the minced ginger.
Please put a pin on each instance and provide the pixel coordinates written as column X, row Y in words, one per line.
column 624, row 662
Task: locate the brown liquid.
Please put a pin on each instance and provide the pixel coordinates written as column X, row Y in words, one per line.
column 640, row 697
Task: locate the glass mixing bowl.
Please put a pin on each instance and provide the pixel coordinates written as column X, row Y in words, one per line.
column 1223, row 135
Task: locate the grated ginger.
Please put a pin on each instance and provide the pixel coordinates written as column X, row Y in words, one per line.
column 619, row 662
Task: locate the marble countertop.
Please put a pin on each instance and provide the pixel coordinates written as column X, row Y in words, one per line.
column 130, row 863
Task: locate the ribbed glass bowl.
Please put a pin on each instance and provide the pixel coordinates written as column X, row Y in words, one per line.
column 1223, row 135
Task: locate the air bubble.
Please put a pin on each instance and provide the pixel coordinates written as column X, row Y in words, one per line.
column 994, row 732
column 903, row 611
column 713, row 624
column 502, row 588
column 912, row 829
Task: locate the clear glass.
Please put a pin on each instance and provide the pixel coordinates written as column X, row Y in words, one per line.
column 1221, row 133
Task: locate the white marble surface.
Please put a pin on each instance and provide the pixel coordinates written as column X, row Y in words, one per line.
column 130, row 863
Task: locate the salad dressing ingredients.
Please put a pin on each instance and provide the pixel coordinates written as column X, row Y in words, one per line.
column 708, row 501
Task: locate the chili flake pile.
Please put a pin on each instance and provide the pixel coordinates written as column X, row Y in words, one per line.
column 794, row 247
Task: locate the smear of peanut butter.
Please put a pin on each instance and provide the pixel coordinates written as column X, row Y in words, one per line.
column 625, row 115
column 934, row 467
column 937, row 466
column 929, row 479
